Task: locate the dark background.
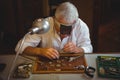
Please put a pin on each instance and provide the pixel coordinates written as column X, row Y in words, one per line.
column 102, row 17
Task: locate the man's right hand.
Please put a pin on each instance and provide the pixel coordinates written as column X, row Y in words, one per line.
column 50, row 53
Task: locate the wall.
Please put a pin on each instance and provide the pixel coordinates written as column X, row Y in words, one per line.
column 16, row 18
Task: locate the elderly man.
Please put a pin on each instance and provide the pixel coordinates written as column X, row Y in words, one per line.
column 68, row 33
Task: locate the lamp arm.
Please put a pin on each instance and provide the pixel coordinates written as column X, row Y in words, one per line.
column 16, row 56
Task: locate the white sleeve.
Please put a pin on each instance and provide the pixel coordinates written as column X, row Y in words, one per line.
column 30, row 40
column 84, row 38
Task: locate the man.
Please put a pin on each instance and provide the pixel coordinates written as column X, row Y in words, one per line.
column 68, row 34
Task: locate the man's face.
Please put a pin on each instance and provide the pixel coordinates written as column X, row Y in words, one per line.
column 62, row 21
column 65, row 27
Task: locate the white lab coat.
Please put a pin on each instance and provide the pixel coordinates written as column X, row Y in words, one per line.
column 80, row 36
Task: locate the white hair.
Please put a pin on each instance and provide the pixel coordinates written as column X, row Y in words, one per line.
column 68, row 11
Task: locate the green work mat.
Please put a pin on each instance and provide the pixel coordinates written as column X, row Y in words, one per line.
column 108, row 66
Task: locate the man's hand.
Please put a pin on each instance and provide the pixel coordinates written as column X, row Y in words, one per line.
column 72, row 48
column 49, row 53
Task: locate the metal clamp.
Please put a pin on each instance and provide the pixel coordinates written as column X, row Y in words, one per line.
column 90, row 71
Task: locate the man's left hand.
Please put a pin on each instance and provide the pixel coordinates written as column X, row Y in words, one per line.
column 72, row 48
